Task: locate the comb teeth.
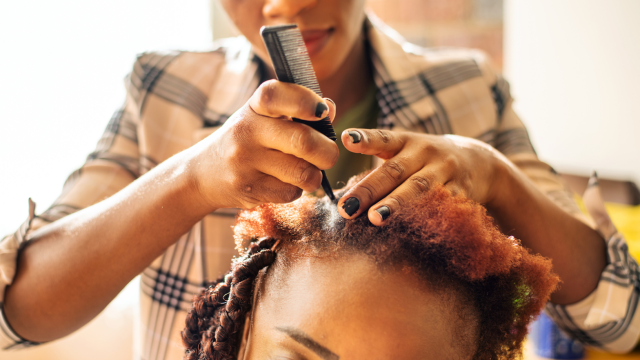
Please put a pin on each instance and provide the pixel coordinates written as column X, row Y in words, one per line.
column 324, row 126
column 297, row 59
column 292, row 64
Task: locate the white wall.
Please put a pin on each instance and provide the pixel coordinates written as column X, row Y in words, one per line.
column 61, row 69
column 574, row 66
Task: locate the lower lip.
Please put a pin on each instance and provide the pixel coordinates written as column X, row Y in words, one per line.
column 317, row 41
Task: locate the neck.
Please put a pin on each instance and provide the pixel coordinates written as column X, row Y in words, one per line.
column 347, row 86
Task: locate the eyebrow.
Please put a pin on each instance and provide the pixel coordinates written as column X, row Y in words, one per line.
column 301, row 338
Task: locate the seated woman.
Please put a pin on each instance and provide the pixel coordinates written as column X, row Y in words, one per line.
column 439, row 281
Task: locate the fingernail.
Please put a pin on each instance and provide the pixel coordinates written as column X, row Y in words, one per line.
column 333, row 102
column 384, row 212
column 351, row 206
column 320, row 109
column 355, row 136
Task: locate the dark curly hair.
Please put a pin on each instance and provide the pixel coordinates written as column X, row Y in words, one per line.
column 446, row 239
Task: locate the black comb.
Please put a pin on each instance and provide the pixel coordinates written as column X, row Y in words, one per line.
column 292, row 65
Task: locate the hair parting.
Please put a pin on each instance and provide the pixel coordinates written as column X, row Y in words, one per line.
column 449, row 241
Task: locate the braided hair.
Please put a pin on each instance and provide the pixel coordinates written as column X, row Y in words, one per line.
column 450, row 241
column 218, row 312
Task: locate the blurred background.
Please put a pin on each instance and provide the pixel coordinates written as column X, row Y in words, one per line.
column 572, row 65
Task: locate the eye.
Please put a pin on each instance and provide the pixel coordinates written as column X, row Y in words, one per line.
column 286, row 355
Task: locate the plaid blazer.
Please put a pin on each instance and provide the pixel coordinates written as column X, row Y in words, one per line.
column 176, row 99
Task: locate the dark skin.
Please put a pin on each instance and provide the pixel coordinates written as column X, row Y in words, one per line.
column 414, row 162
column 332, row 31
column 309, row 315
column 73, row 268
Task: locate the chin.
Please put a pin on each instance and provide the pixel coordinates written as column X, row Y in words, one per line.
column 325, row 70
column 326, row 63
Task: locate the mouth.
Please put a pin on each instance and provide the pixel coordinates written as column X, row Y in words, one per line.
column 315, row 40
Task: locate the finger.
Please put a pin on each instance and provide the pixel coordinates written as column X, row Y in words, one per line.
column 290, row 170
column 296, row 139
column 276, row 99
column 455, row 189
column 332, row 109
column 268, row 189
column 376, row 185
column 411, row 189
column 384, row 144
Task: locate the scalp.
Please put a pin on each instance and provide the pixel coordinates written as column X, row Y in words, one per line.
column 492, row 286
column 449, row 241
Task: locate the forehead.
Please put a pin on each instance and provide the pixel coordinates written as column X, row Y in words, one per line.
column 354, row 309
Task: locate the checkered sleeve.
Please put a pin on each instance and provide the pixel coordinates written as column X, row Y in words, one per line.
column 607, row 318
column 113, row 165
column 512, row 139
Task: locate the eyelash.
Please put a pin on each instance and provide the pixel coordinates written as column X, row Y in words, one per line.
column 286, row 355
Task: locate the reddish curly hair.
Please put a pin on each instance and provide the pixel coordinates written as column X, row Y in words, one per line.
column 445, row 238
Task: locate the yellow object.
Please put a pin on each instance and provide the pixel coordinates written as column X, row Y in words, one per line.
column 626, row 218
column 591, row 354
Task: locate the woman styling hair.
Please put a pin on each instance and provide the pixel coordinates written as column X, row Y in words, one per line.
column 438, row 281
column 204, row 132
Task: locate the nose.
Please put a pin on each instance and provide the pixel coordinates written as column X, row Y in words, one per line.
column 285, row 9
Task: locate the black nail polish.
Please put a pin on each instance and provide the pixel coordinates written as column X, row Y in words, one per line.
column 384, row 212
column 320, row 109
column 351, row 206
column 355, row 136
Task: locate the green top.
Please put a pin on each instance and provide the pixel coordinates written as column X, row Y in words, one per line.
column 363, row 115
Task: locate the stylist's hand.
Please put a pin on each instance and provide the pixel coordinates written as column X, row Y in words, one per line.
column 413, row 164
column 260, row 155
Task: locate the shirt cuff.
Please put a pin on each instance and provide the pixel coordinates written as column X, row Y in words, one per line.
column 9, row 340
column 607, row 318
column 9, row 247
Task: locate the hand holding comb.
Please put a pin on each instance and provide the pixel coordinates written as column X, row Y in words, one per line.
column 292, row 65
